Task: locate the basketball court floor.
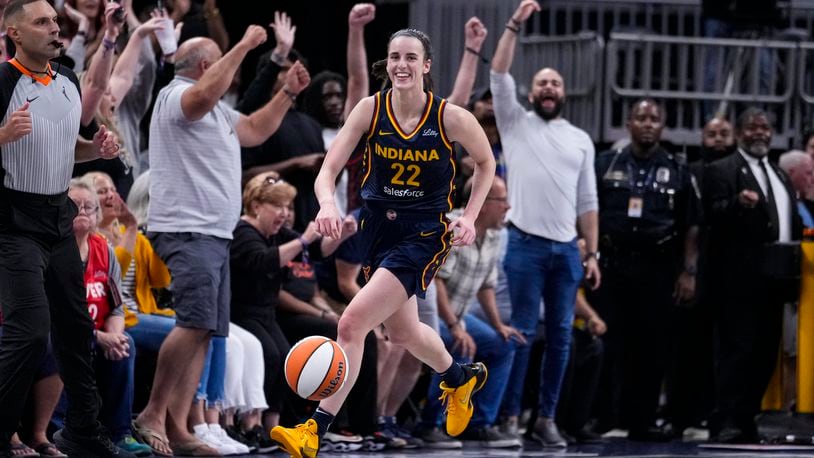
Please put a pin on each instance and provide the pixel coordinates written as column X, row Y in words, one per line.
column 613, row 447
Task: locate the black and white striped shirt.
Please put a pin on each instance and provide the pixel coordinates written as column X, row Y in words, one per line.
column 42, row 161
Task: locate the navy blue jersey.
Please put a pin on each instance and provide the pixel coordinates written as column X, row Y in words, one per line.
column 409, row 171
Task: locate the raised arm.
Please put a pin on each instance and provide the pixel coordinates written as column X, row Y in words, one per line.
column 214, row 22
column 126, row 68
column 95, row 82
column 504, row 54
column 256, row 128
column 199, row 100
column 358, row 81
column 474, row 35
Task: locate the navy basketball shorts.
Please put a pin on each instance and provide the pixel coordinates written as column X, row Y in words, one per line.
column 411, row 245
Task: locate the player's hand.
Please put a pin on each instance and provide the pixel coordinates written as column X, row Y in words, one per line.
column 509, row 332
column 748, row 198
column 463, row 231
column 18, row 125
column 474, row 33
column 284, row 33
column 297, row 78
column 524, row 10
column 361, row 14
column 328, row 222
column 254, row 36
column 462, row 343
column 592, row 274
column 107, row 142
column 349, row 227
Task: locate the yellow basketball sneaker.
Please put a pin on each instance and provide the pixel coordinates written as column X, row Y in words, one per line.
column 300, row 441
column 459, row 400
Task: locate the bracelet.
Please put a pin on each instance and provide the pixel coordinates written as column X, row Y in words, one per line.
column 213, row 13
column 473, row 51
column 290, row 95
column 513, row 29
column 81, row 33
column 515, row 21
column 108, row 44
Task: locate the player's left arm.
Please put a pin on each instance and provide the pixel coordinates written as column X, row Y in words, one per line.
column 462, row 127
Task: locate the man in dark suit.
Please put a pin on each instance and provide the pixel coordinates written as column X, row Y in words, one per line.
column 750, row 206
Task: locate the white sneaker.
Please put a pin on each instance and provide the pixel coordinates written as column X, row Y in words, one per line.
column 203, row 434
column 220, row 433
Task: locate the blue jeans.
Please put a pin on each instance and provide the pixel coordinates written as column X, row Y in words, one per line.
column 540, row 268
column 211, row 388
column 492, row 350
column 151, row 330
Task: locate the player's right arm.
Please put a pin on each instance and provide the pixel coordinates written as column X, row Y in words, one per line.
column 328, row 221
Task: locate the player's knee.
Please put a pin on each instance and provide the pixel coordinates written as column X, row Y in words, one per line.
column 350, row 329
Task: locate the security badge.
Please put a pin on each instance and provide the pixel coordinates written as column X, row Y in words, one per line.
column 634, row 207
column 662, row 175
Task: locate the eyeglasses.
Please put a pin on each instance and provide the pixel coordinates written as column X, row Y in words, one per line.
column 499, row 199
column 88, row 208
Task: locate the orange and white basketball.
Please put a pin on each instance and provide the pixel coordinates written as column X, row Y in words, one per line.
column 316, row 368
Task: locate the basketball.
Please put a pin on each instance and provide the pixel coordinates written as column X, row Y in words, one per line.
column 316, row 368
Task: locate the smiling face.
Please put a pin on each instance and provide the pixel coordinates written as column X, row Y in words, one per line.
column 407, row 63
column 106, row 193
column 547, row 95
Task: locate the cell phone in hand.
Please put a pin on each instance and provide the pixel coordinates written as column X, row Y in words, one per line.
column 118, row 15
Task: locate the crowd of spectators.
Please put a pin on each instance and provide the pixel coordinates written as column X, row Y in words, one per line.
column 199, row 250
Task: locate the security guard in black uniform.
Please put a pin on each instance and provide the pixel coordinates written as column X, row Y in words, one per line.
column 648, row 240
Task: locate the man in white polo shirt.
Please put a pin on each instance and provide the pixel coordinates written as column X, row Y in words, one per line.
column 552, row 190
column 195, row 142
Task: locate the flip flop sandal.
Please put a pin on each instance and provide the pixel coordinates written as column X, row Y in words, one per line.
column 151, row 438
column 21, row 450
column 194, row 448
column 49, row 449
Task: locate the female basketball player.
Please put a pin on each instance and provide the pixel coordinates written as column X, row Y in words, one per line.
column 407, row 188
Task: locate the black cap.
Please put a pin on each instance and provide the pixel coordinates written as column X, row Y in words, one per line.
column 479, row 94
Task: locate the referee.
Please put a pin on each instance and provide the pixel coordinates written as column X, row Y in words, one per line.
column 41, row 274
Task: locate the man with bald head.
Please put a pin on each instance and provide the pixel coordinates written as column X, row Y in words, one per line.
column 552, row 192
column 195, row 198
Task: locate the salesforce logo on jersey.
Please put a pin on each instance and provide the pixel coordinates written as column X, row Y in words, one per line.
column 403, row 192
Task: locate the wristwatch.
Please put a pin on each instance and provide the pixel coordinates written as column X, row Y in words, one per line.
column 589, row 255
